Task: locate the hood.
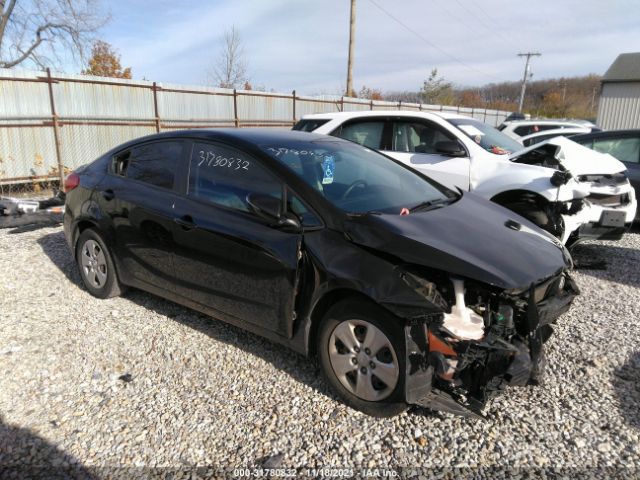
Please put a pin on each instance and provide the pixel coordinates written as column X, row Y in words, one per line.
column 467, row 238
column 579, row 160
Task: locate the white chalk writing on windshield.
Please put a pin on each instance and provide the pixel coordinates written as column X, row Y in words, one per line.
column 277, row 151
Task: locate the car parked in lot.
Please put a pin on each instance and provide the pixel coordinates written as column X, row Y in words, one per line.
column 408, row 292
column 621, row 144
column 517, row 129
column 540, row 137
column 568, row 190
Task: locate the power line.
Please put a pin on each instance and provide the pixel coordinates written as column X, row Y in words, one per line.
column 431, row 44
column 481, row 22
column 498, row 31
column 458, row 18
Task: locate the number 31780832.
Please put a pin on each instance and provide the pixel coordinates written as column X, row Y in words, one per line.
column 209, row 159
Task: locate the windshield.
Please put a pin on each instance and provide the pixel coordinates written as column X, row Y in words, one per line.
column 487, row 137
column 356, row 179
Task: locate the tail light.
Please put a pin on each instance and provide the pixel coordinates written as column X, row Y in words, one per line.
column 71, row 182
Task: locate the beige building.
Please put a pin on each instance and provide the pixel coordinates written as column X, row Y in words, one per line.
column 619, row 106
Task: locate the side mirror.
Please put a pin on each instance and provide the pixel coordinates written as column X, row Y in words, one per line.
column 270, row 208
column 450, row 148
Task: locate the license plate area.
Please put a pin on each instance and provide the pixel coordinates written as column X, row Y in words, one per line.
column 612, row 218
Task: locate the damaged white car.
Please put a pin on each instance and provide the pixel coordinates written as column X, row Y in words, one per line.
column 570, row 191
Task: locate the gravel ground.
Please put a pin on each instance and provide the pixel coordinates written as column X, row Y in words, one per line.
column 139, row 381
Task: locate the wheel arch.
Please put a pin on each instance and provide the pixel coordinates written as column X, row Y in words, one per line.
column 322, row 306
column 510, row 196
column 80, row 226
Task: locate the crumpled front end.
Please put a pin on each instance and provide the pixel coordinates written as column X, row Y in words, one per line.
column 457, row 361
column 610, row 208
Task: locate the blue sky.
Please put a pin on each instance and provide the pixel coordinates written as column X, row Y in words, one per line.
column 302, row 44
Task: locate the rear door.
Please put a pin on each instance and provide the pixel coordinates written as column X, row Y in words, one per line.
column 137, row 196
column 227, row 258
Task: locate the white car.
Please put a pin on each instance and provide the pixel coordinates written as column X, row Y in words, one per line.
column 569, row 190
column 543, row 135
column 517, row 129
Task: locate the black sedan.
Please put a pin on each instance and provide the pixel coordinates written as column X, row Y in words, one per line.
column 623, row 145
column 408, row 292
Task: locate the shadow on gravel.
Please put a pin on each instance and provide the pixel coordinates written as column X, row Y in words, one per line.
column 26, row 455
column 607, row 261
column 298, row 367
column 626, row 382
column 55, row 247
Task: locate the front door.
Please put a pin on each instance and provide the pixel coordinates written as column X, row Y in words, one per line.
column 227, row 258
column 415, row 143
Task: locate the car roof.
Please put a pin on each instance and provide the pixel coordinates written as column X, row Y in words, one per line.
column 381, row 113
column 557, row 131
column 610, row 134
column 233, row 135
column 547, row 121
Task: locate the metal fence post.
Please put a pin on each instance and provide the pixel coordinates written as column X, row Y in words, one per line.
column 399, row 104
column 155, row 107
column 294, row 106
column 371, row 104
column 342, row 103
column 235, row 108
column 56, row 133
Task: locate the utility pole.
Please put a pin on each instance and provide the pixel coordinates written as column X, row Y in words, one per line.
column 526, row 76
column 352, row 38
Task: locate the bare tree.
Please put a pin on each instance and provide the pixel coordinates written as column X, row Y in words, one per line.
column 45, row 32
column 230, row 70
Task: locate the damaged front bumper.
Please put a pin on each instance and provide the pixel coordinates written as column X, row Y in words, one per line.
column 460, row 376
column 607, row 213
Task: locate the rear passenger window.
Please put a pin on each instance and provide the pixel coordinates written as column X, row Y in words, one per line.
column 368, row 133
column 153, row 163
column 225, row 176
column 309, row 125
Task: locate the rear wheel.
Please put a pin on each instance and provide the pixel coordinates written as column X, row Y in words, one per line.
column 361, row 350
column 96, row 266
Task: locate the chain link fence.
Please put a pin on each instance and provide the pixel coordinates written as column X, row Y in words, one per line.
column 52, row 123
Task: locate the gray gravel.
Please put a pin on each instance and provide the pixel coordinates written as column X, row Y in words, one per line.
column 139, row 381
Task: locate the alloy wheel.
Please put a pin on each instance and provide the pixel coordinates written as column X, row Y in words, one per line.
column 363, row 359
column 93, row 263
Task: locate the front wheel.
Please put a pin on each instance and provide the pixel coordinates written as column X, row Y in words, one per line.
column 361, row 350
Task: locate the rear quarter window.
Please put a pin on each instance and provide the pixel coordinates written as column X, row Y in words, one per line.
column 152, row 163
column 309, row 125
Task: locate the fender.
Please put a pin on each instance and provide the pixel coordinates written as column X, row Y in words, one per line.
column 489, row 179
column 348, row 274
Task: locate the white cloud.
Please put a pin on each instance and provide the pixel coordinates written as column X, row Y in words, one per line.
column 303, row 45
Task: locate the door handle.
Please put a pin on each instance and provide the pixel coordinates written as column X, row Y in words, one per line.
column 186, row 222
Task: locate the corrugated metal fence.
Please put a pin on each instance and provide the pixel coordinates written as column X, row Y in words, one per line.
column 50, row 122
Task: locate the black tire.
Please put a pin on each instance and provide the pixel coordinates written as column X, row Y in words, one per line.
column 100, row 278
column 394, row 402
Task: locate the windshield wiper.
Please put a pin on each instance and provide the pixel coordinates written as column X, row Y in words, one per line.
column 430, row 204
